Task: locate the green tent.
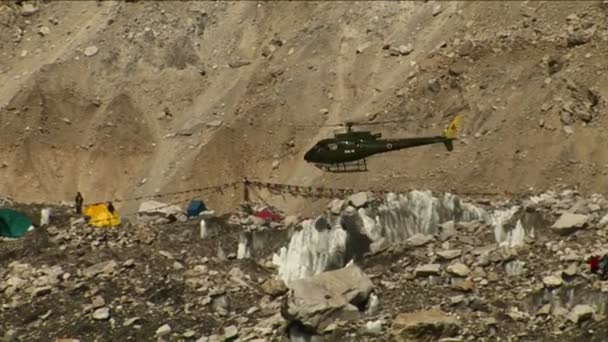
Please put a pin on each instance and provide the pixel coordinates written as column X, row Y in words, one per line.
column 13, row 223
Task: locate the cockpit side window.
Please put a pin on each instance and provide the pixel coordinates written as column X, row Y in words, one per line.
column 332, row 146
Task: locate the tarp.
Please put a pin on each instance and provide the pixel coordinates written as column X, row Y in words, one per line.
column 13, row 223
column 154, row 207
column 100, row 216
column 195, row 207
column 268, row 215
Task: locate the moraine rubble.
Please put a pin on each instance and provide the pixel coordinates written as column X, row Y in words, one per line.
column 416, row 266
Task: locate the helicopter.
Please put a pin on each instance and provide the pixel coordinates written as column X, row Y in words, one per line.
column 347, row 152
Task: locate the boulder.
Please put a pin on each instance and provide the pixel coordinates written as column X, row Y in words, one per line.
column 336, row 206
column 463, row 285
column 28, row 9
column 163, row 330
column 552, row 281
column 101, row 314
column 359, row 199
column 418, row 240
column 91, row 51
column 580, row 313
column 427, row 270
column 405, row 50
column 274, row 287
column 315, row 302
column 458, row 269
column 569, row 222
column 106, row 267
column 449, row 254
column 231, row 332
column 424, row 325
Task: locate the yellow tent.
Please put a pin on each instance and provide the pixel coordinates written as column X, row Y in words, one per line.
column 100, row 216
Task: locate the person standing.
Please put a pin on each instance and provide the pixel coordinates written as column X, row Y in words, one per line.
column 603, row 266
column 79, row 201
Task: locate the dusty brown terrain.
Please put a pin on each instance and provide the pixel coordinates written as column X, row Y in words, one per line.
column 129, row 98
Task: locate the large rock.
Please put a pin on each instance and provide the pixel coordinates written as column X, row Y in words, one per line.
column 569, row 222
column 106, row 267
column 152, row 209
column 28, row 9
column 427, row 270
column 274, row 287
column 449, row 254
column 459, row 269
column 427, row 325
column 317, row 301
column 91, row 51
column 552, row 281
column 580, row 313
column 418, row 240
column 336, row 206
column 359, row 199
column 579, row 37
column 101, row 314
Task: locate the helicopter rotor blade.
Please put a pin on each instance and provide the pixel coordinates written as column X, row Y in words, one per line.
column 384, row 122
column 352, row 123
column 318, row 125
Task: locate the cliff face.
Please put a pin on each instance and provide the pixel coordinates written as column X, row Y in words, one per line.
column 130, row 98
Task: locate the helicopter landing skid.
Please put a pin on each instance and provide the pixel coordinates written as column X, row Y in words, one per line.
column 355, row 166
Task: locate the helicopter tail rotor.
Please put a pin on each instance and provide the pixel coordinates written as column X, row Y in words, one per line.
column 450, row 133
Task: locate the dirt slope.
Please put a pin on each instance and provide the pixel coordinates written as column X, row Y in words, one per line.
column 131, row 98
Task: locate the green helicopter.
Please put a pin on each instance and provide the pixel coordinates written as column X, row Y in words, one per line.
column 347, row 152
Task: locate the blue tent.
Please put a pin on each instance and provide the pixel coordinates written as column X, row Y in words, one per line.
column 195, row 207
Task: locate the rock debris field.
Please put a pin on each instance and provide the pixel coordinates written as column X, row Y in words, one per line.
column 407, row 267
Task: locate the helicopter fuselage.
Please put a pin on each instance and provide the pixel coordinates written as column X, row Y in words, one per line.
column 343, row 150
column 347, row 151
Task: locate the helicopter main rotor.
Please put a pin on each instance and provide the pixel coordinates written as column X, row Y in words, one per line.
column 349, row 126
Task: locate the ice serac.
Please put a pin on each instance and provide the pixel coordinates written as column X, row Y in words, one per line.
column 500, row 219
column 513, row 225
column 325, row 243
column 317, row 247
column 401, row 216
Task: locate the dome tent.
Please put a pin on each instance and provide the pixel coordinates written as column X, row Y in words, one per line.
column 100, row 216
column 13, row 223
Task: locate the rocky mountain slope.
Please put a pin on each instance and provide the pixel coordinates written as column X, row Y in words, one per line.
column 130, row 98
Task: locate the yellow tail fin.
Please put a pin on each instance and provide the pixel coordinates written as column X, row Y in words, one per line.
column 450, row 131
